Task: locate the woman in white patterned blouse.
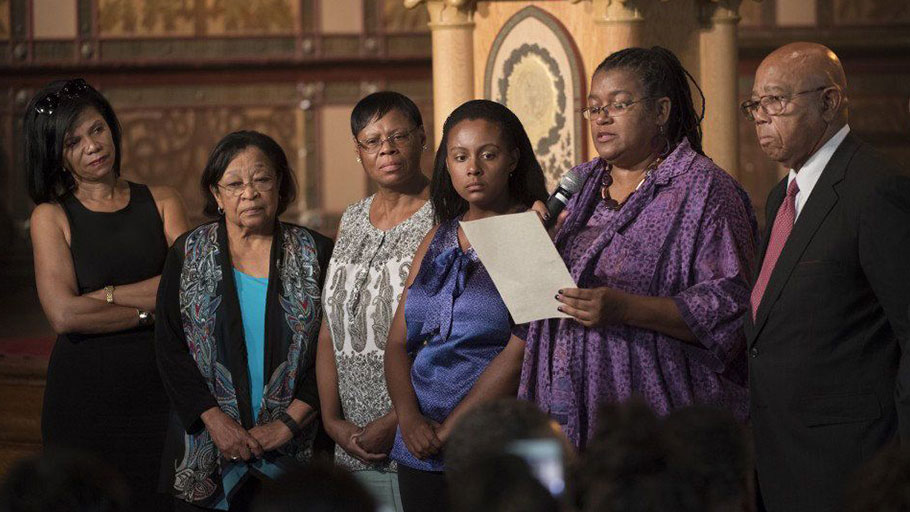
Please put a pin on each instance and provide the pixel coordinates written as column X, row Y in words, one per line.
column 376, row 243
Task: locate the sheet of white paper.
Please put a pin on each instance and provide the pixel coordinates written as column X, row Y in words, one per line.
column 523, row 263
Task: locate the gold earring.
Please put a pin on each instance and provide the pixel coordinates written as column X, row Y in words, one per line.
column 359, row 161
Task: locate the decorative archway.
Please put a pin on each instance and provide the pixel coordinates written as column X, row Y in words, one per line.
column 535, row 69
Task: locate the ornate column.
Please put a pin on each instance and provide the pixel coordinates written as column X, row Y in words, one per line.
column 620, row 24
column 452, row 32
column 718, row 57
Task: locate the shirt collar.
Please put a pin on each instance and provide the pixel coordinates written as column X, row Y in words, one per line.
column 811, row 171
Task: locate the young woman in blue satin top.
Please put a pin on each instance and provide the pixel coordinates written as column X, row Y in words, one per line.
column 450, row 344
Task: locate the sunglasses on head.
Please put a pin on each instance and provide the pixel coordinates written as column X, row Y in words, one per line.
column 71, row 89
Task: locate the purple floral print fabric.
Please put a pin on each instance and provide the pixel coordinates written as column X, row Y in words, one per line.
column 688, row 233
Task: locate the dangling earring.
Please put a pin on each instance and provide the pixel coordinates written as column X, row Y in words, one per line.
column 220, row 211
column 424, row 147
column 359, row 161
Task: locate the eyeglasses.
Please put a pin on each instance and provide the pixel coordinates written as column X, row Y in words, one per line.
column 617, row 108
column 772, row 104
column 373, row 144
column 261, row 184
column 71, row 89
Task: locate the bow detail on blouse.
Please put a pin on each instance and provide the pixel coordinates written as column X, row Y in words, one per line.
column 444, row 283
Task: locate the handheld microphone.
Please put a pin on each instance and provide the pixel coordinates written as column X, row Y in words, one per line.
column 568, row 186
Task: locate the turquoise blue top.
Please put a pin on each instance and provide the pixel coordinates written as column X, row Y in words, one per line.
column 251, row 294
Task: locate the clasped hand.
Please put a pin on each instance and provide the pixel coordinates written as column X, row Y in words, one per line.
column 235, row 442
column 423, row 437
column 368, row 444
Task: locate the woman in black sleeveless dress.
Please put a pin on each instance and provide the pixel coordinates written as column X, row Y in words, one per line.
column 99, row 246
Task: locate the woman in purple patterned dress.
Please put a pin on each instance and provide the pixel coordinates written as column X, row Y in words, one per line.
column 661, row 243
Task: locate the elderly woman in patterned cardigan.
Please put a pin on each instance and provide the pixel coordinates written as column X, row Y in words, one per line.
column 239, row 312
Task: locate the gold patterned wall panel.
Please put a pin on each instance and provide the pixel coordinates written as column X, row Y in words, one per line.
column 181, row 18
column 259, row 17
column 342, row 178
column 148, row 18
column 534, row 69
column 341, row 16
column 54, row 19
column 5, row 31
column 871, row 12
column 170, row 145
column 168, row 132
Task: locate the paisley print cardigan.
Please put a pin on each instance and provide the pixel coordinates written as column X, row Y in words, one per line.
column 202, row 357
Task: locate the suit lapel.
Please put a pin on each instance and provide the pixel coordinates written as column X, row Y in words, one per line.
column 821, row 201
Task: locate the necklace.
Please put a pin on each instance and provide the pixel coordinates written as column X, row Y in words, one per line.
column 607, row 180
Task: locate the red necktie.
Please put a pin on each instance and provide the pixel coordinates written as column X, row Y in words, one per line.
column 783, row 225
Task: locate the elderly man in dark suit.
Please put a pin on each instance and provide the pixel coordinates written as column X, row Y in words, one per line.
column 828, row 331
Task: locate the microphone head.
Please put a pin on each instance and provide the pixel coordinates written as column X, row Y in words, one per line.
column 572, row 182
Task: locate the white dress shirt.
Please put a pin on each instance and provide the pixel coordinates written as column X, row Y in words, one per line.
column 811, row 171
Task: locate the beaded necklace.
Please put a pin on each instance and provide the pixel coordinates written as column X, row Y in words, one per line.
column 607, row 180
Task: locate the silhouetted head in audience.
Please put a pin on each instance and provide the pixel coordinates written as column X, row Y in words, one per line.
column 486, row 465
column 319, row 487
column 694, row 460
column 627, row 468
column 63, row 481
column 712, row 444
column 501, row 483
column 489, row 428
column 883, row 483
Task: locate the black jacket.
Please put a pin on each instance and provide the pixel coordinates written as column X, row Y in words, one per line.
column 828, row 362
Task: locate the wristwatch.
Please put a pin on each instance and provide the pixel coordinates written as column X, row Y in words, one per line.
column 109, row 293
column 286, row 418
column 145, row 318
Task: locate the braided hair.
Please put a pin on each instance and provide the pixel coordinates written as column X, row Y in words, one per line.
column 662, row 75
